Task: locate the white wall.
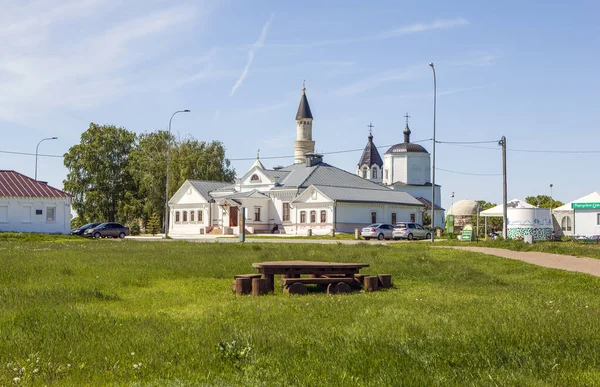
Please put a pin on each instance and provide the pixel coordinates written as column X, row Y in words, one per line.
column 356, row 215
column 31, row 215
column 586, row 222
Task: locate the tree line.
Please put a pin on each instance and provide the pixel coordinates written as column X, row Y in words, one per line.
column 116, row 175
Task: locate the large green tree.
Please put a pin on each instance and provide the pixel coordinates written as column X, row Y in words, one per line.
column 189, row 159
column 98, row 172
column 543, row 201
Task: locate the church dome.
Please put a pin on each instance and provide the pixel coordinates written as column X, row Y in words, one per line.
column 464, row 208
column 404, row 147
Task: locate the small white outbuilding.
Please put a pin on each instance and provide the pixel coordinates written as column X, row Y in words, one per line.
column 28, row 205
column 581, row 217
column 523, row 219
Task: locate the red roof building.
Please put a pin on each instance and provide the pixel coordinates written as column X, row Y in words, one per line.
column 15, row 184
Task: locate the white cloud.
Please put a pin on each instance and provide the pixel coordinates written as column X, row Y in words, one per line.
column 46, row 67
column 442, row 24
column 255, row 47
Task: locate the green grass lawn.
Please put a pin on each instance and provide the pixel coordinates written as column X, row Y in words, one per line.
column 110, row 312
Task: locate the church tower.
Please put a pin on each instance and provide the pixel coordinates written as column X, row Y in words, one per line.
column 304, row 143
column 370, row 164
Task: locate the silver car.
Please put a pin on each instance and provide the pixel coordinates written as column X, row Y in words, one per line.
column 377, row 230
column 410, row 231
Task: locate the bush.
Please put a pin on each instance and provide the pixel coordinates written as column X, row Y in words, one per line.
column 135, row 228
column 76, row 222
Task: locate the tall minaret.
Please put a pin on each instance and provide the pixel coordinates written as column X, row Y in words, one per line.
column 304, row 143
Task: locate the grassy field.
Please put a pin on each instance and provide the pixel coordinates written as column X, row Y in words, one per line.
column 162, row 313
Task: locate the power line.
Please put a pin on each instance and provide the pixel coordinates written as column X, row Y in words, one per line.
column 468, row 173
column 468, row 142
column 29, row 154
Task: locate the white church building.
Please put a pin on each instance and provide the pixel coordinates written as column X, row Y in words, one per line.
column 307, row 197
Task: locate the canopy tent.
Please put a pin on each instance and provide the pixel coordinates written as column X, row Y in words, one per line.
column 499, row 209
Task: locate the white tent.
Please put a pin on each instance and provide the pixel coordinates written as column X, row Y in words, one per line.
column 499, row 209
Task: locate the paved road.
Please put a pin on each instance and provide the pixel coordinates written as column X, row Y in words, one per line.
column 554, row 261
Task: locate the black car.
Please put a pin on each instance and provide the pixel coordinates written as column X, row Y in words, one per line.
column 80, row 230
column 108, row 229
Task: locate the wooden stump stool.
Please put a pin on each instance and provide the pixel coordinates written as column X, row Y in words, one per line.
column 243, row 285
column 338, row 288
column 295, row 288
column 385, row 280
column 260, row 286
column 371, row 283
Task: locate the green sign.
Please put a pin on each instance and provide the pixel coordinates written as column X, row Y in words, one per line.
column 585, row 206
column 467, row 233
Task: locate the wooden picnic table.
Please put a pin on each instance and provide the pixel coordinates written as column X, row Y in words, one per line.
column 294, row 269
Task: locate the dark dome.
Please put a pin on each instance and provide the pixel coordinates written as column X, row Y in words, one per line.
column 406, row 147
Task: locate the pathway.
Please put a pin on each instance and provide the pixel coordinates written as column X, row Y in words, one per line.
column 554, row 261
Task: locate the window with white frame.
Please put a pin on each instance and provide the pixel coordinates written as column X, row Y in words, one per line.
column 565, row 223
column 323, row 216
column 192, row 215
column 302, row 216
column 200, row 216
column 286, row 212
column 3, row 214
column 50, row 214
column 177, row 216
column 184, row 216
column 257, row 214
column 313, row 216
column 365, row 172
column 374, row 173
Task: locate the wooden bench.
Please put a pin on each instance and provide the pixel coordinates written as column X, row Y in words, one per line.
column 248, row 276
column 316, row 281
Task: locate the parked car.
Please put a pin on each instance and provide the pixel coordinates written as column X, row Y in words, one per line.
column 410, row 231
column 377, row 230
column 109, row 229
column 80, row 230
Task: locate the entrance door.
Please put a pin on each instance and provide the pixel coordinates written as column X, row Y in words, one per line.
column 233, row 216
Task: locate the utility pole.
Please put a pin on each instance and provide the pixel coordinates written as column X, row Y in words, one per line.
column 504, row 198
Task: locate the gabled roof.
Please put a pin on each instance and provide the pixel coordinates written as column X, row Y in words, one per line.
column 427, row 204
column 15, row 184
column 363, row 195
column 593, row 197
column 301, row 176
column 370, row 155
column 304, row 108
column 204, row 187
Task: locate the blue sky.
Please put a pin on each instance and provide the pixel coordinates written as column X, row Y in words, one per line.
column 526, row 70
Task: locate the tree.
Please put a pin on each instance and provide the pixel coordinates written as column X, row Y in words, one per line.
column 493, row 222
column 153, row 226
column 543, row 201
column 190, row 159
column 98, row 174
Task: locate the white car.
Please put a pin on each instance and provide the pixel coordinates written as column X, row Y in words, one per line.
column 410, row 231
column 377, row 230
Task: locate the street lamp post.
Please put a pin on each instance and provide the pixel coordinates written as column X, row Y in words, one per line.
column 166, row 220
column 551, row 217
column 36, row 151
column 433, row 166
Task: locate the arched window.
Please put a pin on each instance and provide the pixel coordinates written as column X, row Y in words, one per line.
column 374, row 173
column 365, row 173
column 185, row 216
column 302, row 216
column 324, row 216
column 200, row 216
column 566, row 223
column 255, row 178
column 192, row 215
column 313, row 216
column 177, row 216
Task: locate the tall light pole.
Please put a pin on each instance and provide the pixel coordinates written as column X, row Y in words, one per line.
column 36, row 151
column 166, row 220
column 551, row 217
column 433, row 167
